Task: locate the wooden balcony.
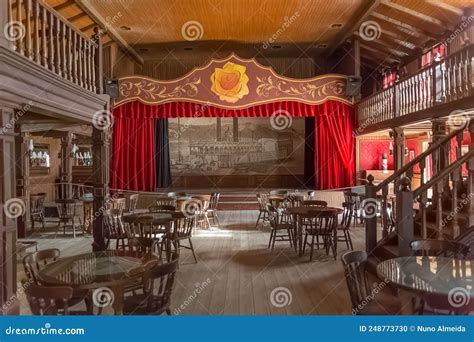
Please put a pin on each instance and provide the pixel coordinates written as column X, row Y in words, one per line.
column 434, row 91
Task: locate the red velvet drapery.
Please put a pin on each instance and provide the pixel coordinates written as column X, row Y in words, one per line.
column 133, row 158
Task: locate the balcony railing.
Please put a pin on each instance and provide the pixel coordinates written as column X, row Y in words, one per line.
column 39, row 33
column 448, row 80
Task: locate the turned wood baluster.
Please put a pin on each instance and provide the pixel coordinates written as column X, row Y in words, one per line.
column 69, row 53
column 401, row 102
column 29, row 43
column 88, row 66
column 446, row 84
column 93, row 68
column 63, row 50
column 44, row 38
column 384, row 212
column 438, row 195
column 431, row 84
column 74, row 57
column 90, row 61
column 465, row 78
column 460, row 76
column 81, row 58
column 19, row 17
column 57, row 38
column 36, row 18
column 423, row 199
column 10, row 18
column 51, row 51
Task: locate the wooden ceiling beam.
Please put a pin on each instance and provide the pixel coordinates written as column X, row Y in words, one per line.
column 364, row 11
column 385, row 56
column 77, row 17
column 95, row 16
column 64, row 5
column 446, row 7
column 88, row 27
column 390, row 48
column 404, row 27
column 418, row 15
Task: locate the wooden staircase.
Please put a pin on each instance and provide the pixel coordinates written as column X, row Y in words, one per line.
column 440, row 208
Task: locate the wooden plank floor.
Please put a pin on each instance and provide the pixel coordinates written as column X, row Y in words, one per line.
column 237, row 274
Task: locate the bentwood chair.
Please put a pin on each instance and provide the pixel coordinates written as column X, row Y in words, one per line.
column 165, row 201
column 67, row 215
column 211, row 212
column 49, row 300
column 280, row 231
column 366, row 300
column 344, row 227
column 114, row 228
column 117, row 203
column 131, row 204
column 155, row 298
column 37, row 209
column 262, row 200
column 34, row 262
column 321, row 225
column 203, row 205
column 181, row 230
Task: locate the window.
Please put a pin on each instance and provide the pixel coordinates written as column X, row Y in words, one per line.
column 433, row 55
column 389, row 78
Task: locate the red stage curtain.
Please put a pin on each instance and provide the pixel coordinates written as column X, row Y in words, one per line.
column 133, row 157
column 335, row 147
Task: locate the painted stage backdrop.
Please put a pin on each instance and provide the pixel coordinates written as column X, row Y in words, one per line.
column 231, row 146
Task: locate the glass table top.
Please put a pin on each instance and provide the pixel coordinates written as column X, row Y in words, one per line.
column 436, row 275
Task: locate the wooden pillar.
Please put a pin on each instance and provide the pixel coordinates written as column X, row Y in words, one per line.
column 370, row 218
column 100, row 171
column 398, row 137
column 235, row 129
column 8, row 234
column 440, row 131
column 65, row 174
column 405, row 229
column 99, row 65
column 4, row 12
column 22, row 170
column 357, row 63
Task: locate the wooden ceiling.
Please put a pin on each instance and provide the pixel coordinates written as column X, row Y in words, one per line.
column 406, row 26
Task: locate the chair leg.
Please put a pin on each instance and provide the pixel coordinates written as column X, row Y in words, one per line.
column 192, row 250
column 305, row 242
column 42, row 221
column 350, row 240
column 289, row 237
column 258, row 219
column 312, row 248
column 217, row 220
column 274, row 239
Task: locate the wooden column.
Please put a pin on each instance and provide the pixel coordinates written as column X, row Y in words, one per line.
column 100, row 171
column 405, row 229
column 370, row 219
column 65, row 174
column 4, row 13
column 8, row 234
column 440, row 131
column 357, row 63
column 398, row 137
column 22, row 170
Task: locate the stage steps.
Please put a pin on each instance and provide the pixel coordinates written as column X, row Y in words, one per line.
column 238, row 201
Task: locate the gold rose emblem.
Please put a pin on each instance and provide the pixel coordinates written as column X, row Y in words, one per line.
column 230, row 82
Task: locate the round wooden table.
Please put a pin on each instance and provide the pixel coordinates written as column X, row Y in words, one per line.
column 444, row 283
column 307, row 212
column 106, row 273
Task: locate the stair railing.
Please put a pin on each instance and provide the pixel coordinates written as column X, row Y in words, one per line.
column 378, row 204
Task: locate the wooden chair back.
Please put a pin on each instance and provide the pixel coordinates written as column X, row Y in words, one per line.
column 355, row 264
column 48, row 300
column 141, row 226
column 34, row 262
column 66, row 208
column 431, row 247
column 204, row 201
column 347, row 214
column 273, row 216
column 182, row 227
column 171, row 201
column 160, row 284
column 140, row 246
column 262, row 200
column 132, row 201
column 37, row 203
column 294, row 200
column 117, row 203
column 114, row 227
column 315, row 203
column 214, row 201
